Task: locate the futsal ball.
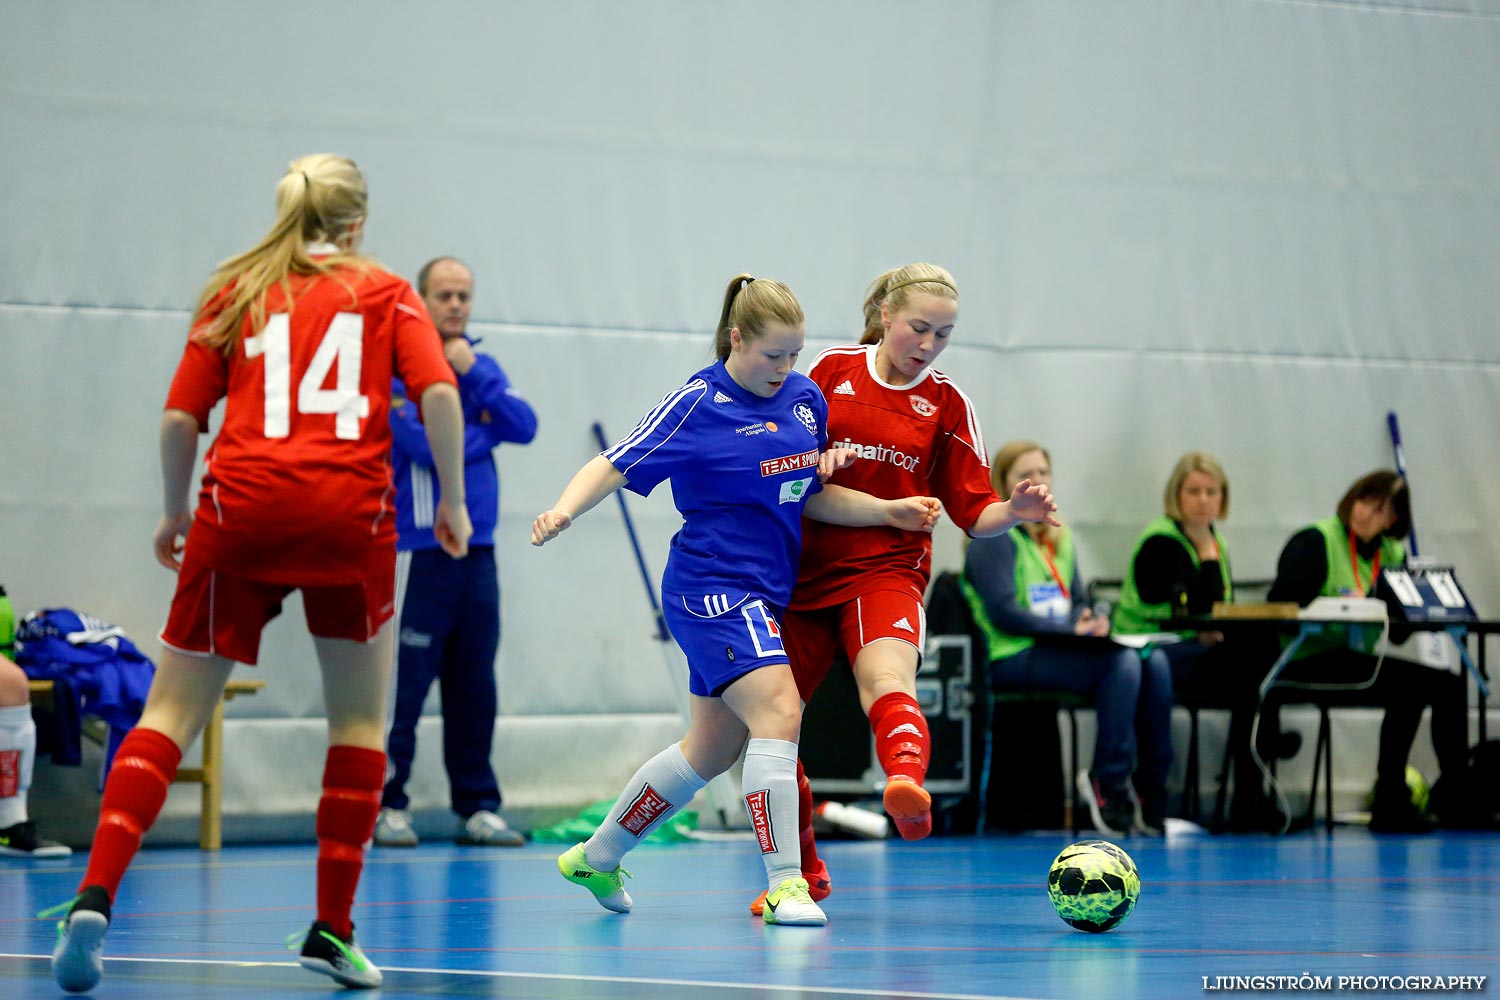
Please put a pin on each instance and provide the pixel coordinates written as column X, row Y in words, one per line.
column 1093, row 885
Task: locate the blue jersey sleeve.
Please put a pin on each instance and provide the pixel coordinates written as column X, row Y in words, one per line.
column 660, row 444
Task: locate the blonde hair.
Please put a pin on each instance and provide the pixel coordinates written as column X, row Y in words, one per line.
column 319, row 199
column 1006, row 456
column 752, row 304
column 896, row 286
column 1194, row 461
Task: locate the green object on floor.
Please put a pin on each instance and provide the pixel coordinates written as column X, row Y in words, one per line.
column 582, row 827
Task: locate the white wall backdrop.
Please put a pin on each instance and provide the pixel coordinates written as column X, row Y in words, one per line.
column 1247, row 226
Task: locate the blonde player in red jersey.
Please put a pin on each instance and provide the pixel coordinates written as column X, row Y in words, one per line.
column 916, row 434
column 301, row 336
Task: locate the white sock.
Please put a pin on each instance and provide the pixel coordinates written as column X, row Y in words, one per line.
column 663, row 785
column 770, row 786
column 17, row 757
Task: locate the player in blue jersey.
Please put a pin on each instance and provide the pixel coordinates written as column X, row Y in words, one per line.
column 744, row 442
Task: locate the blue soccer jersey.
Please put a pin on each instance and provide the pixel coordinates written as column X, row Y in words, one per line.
column 741, row 467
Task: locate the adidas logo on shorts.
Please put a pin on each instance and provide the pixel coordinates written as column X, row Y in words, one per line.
column 904, row 625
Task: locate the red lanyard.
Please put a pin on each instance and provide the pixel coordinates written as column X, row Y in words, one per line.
column 1354, row 565
column 1047, row 552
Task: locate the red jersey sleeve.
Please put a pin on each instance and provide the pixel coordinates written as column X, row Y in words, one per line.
column 961, row 467
column 418, row 347
column 202, row 377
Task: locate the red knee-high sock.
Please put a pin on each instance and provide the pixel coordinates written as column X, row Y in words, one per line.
column 902, row 741
column 805, row 819
column 352, row 779
column 144, row 766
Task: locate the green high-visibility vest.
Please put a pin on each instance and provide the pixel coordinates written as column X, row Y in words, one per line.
column 1031, row 571
column 1135, row 616
column 1341, row 582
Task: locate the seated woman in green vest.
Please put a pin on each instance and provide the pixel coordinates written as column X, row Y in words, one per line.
column 1181, row 567
column 1341, row 556
column 1024, row 586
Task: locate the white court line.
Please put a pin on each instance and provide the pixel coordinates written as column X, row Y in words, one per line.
column 706, row 983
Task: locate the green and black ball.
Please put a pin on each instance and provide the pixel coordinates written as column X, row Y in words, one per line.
column 1093, row 885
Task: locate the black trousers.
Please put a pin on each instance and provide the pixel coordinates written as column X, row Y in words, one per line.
column 1404, row 689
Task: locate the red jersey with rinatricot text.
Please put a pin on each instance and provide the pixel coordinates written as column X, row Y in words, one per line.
column 297, row 487
column 921, row 439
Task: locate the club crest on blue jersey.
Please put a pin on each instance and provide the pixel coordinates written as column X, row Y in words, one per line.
column 806, row 417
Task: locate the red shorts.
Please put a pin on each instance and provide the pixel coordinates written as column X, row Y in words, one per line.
column 813, row 637
column 217, row 613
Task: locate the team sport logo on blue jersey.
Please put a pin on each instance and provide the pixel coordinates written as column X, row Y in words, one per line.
column 788, row 463
column 805, row 415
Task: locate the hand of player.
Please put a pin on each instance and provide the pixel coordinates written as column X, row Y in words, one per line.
column 1033, row 502
column 452, row 528
column 914, row 513
column 170, row 538
column 460, row 354
column 548, row 525
column 833, row 460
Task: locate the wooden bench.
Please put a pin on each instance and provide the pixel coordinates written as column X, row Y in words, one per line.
column 210, row 775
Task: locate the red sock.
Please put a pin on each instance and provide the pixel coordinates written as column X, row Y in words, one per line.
column 902, row 741
column 352, row 779
column 144, row 766
column 805, row 819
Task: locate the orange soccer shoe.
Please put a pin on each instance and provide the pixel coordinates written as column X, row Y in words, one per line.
column 818, row 887
column 909, row 805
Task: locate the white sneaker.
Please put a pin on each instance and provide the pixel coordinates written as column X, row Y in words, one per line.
column 485, row 829
column 78, row 958
column 393, row 829
column 790, row 903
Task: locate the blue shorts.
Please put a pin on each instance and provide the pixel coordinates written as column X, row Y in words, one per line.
column 724, row 638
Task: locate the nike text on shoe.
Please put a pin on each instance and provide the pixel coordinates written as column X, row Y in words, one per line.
column 791, row 903
column 325, row 952
column 818, row 887
column 608, row 887
column 909, row 805
column 78, row 958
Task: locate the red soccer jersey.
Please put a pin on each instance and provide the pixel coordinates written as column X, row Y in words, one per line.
column 921, row 439
column 297, row 485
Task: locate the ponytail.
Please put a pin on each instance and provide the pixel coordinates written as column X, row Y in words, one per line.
column 721, row 333
column 319, row 199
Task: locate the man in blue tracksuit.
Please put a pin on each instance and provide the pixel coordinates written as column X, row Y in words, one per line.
column 450, row 609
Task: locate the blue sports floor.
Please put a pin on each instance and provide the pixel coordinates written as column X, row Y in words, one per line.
column 952, row 917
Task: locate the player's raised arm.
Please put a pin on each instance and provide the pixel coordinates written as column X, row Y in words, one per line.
column 592, row 483
column 1028, row 502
